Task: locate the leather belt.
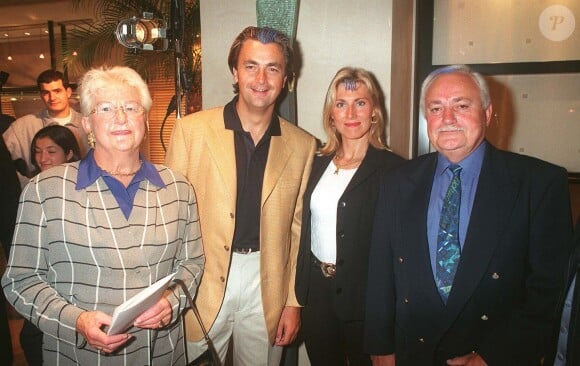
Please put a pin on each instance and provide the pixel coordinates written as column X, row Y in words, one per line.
column 245, row 250
column 328, row 269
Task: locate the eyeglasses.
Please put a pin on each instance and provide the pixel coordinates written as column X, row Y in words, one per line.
column 109, row 109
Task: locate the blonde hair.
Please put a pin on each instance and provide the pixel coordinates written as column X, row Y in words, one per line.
column 353, row 75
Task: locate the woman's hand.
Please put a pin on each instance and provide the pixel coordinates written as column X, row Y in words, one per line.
column 90, row 325
column 157, row 316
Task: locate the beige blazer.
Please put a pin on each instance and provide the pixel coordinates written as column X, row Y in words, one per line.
column 203, row 150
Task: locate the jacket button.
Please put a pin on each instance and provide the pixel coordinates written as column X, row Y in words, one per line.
column 495, row 276
column 484, row 317
column 342, row 204
column 400, row 259
column 341, row 234
column 406, row 300
column 422, row 340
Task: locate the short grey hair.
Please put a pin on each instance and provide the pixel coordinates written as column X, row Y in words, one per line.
column 99, row 78
column 462, row 69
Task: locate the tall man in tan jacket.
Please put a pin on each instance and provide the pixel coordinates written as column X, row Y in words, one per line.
column 249, row 168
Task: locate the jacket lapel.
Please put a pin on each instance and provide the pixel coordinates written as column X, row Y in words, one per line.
column 417, row 191
column 319, row 166
column 277, row 159
column 370, row 164
column 494, row 200
column 220, row 144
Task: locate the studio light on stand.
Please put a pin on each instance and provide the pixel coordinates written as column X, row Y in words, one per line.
column 147, row 33
column 152, row 34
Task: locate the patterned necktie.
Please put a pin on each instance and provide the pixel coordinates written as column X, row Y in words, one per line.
column 448, row 248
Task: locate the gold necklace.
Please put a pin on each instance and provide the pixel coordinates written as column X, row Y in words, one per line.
column 349, row 164
column 117, row 173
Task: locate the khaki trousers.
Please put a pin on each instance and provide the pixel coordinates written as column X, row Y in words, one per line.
column 241, row 318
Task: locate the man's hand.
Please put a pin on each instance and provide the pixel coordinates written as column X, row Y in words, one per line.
column 471, row 359
column 89, row 325
column 288, row 326
column 383, row 360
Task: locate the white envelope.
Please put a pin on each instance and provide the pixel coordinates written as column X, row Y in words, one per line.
column 126, row 313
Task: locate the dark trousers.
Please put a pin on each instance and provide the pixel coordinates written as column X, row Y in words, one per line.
column 328, row 339
column 31, row 342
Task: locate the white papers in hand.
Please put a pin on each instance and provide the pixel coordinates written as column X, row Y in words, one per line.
column 126, row 313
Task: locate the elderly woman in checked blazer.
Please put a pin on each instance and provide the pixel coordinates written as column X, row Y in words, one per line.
column 91, row 234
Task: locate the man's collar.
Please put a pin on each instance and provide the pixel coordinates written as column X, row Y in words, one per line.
column 47, row 114
column 471, row 161
column 232, row 120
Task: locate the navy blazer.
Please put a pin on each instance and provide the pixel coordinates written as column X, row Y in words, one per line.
column 509, row 277
column 354, row 220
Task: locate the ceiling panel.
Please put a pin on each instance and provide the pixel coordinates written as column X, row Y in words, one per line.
column 27, row 12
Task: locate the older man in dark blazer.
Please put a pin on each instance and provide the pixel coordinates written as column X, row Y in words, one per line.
column 479, row 287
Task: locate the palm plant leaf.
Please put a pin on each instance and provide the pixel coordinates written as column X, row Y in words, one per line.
column 89, row 45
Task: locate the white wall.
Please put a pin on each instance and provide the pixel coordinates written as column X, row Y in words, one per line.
column 331, row 34
column 336, row 33
column 221, row 22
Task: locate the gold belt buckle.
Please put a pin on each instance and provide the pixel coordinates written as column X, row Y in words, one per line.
column 328, row 269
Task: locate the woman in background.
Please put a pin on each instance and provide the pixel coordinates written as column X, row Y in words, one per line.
column 92, row 234
column 337, row 220
column 53, row 145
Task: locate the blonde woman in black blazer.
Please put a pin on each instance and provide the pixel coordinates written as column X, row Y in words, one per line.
column 339, row 204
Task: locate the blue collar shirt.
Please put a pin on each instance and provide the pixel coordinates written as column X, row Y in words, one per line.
column 89, row 172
